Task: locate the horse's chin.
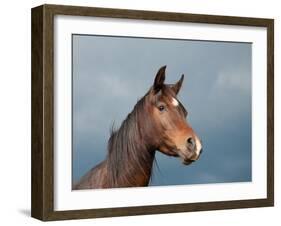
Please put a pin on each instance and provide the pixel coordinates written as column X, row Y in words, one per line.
column 187, row 162
column 185, row 157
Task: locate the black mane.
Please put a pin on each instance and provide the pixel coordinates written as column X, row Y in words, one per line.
column 127, row 145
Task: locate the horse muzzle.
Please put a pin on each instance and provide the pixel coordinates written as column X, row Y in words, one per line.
column 194, row 146
column 191, row 152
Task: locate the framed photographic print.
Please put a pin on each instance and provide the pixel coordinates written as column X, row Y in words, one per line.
column 141, row 112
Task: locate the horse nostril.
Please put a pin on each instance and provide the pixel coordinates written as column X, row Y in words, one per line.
column 191, row 143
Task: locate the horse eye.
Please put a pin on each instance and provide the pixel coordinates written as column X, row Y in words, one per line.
column 161, row 108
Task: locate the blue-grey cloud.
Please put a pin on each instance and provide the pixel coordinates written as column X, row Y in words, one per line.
column 111, row 73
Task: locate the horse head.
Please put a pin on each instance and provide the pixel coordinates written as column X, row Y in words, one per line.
column 170, row 131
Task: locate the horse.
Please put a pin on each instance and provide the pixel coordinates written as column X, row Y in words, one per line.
column 157, row 123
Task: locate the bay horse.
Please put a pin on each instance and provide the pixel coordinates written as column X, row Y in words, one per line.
column 157, row 122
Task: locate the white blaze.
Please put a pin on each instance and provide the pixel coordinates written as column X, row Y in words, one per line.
column 175, row 102
column 198, row 145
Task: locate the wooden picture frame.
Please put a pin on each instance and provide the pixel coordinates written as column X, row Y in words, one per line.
column 42, row 203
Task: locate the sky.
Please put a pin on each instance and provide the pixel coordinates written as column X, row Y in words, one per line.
column 111, row 73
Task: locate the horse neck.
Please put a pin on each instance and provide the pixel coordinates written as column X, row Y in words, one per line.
column 130, row 156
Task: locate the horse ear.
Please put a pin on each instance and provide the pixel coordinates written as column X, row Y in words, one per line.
column 177, row 86
column 159, row 79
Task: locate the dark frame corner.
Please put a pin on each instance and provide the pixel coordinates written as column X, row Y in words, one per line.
column 42, row 201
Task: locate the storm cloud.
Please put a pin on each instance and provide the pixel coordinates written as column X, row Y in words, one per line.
column 111, row 73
